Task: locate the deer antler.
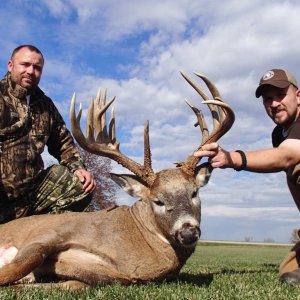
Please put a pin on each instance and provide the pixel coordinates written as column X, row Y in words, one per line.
column 222, row 114
column 101, row 142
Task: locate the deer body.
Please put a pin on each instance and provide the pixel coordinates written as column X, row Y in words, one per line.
column 87, row 258
column 149, row 241
column 124, row 244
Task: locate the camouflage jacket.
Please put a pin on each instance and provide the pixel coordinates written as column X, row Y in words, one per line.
column 25, row 129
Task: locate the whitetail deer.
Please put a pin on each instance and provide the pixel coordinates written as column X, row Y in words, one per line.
column 149, row 241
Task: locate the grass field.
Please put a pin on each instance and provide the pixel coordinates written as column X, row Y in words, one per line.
column 215, row 271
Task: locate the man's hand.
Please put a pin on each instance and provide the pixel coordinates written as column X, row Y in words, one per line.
column 87, row 180
column 218, row 157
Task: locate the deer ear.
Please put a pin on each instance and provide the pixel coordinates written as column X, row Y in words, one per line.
column 203, row 173
column 131, row 184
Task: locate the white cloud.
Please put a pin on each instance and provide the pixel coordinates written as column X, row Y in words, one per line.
column 58, row 8
column 278, row 214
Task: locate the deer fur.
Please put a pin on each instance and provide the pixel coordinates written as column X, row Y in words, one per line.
column 149, row 241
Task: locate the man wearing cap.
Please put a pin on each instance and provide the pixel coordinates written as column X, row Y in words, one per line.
column 281, row 98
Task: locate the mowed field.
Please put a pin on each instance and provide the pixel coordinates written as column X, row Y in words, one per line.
column 215, row 271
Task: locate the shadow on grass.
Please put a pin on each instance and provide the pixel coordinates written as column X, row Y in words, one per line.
column 264, row 268
column 205, row 279
column 195, row 279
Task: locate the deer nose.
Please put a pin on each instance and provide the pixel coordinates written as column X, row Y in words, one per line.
column 188, row 234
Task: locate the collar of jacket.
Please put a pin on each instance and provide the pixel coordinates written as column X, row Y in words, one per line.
column 18, row 91
column 15, row 89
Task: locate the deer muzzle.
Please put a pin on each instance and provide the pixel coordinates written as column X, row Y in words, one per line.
column 188, row 234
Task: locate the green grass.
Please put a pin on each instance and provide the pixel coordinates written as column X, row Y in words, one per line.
column 215, row 271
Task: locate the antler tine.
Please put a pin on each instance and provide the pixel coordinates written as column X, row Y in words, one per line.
column 213, row 109
column 99, row 117
column 96, row 117
column 226, row 121
column 108, row 146
column 112, row 129
column 147, row 152
column 217, row 96
column 75, row 123
column 103, row 118
column 198, row 90
column 222, row 114
column 89, row 122
column 212, row 88
column 200, row 120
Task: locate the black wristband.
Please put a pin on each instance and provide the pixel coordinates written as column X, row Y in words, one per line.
column 244, row 161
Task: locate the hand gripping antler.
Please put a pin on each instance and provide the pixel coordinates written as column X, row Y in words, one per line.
column 222, row 114
column 101, row 142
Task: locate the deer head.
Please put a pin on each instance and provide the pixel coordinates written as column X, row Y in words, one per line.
column 172, row 193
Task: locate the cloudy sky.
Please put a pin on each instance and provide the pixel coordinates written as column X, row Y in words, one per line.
column 136, row 49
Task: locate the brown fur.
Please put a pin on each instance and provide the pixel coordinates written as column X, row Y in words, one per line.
column 125, row 244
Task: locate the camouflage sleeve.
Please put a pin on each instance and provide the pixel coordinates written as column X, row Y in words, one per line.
column 61, row 144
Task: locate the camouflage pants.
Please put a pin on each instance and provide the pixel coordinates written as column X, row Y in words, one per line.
column 56, row 190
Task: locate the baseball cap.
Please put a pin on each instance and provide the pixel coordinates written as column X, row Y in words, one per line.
column 277, row 77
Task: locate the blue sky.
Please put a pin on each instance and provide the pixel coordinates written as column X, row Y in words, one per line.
column 136, row 49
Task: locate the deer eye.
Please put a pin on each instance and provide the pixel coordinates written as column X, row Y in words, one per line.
column 195, row 198
column 195, row 194
column 159, row 203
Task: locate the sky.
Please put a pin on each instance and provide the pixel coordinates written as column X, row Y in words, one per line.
column 136, row 49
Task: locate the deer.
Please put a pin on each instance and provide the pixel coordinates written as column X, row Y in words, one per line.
column 150, row 240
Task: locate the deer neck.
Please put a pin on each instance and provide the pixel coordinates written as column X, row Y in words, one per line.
column 143, row 216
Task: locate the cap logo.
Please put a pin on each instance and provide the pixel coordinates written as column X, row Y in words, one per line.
column 268, row 75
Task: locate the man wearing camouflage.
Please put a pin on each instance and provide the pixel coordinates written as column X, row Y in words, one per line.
column 29, row 121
